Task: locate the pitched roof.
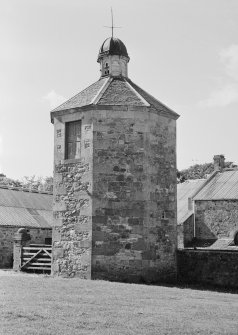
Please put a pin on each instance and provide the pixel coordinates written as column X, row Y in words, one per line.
column 115, row 91
column 184, row 191
column 223, row 186
column 120, row 92
column 25, row 209
column 85, row 97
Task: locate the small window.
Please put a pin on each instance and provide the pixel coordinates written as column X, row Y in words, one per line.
column 73, row 140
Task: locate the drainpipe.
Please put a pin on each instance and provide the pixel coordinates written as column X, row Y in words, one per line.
column 191, row 207
column 194, row 221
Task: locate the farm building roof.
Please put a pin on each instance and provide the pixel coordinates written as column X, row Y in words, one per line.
column 222, row 186
column 184, row 191
column 25, row 209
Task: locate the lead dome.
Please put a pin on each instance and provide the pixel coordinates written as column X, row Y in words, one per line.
column 112, row 46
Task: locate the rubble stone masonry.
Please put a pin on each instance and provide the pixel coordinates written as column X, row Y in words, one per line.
column 72, row 203
column 115, row 207
column 216, row 218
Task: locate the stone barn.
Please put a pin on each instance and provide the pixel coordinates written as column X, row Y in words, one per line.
column 114, row 179
column 216, row 209
column 25, row 209
column 208, row 209
column 185, row 211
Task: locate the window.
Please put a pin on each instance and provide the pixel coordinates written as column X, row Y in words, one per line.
column 73, row 140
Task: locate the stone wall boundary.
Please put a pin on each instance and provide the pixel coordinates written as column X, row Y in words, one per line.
column 208, row 267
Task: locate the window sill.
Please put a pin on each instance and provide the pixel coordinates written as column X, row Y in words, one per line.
column 72, row 160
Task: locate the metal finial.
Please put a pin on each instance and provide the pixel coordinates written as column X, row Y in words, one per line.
column 112, row 26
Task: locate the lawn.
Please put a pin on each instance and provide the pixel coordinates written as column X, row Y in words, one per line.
column 41, row 305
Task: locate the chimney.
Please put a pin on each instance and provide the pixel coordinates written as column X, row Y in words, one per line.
column 219, row 162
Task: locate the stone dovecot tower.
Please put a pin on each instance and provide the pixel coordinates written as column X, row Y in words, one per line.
column 114, row 179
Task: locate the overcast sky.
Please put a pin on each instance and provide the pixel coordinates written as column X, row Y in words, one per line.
column 183, row 52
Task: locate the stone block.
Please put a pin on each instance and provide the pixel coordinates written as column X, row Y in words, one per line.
column 58, row 253
column 56, row 235
column 79, row 228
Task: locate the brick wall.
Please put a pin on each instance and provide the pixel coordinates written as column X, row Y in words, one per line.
column 207, row 267
column 215, row 219
column 6, row 242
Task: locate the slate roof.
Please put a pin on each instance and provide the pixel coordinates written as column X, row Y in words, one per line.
column 223, row 186
column 85, row 97
column 25, row 209
column 184, row 191
column 115, row 91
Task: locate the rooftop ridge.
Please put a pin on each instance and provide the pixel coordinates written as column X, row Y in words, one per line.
column 15, row 188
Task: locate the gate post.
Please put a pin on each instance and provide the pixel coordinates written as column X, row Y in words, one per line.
column 20, row 238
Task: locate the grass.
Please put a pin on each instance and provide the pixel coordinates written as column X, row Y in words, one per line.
column 40, row 305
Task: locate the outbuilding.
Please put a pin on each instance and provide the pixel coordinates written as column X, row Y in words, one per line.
column 23, row 209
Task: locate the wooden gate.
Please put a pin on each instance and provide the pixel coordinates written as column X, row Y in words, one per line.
column 36, row 257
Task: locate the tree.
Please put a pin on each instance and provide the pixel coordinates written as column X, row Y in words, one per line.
column 198, row 171
column 32, row 183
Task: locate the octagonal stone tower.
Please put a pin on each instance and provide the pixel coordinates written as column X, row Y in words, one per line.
column 114, row 179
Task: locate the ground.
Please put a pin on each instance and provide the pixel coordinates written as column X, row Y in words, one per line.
column 42, row 305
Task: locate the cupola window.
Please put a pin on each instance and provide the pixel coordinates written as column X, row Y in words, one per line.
column 106, row 67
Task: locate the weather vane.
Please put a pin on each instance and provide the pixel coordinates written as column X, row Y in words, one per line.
column 112, row 26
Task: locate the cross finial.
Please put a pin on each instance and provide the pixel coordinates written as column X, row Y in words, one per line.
column 112, row 26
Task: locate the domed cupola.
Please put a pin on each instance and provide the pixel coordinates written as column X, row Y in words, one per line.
column 113, row 58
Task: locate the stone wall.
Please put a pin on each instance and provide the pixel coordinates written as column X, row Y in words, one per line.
column 208, row 267
column 72, row 203
column 134, row 196
column 115, row 207
column 185, row 233
column 216, row 219
column 38, row 236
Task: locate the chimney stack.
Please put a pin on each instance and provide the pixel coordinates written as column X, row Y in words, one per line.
column 219, row 162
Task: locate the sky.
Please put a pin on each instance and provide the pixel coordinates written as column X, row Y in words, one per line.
column 183, row 52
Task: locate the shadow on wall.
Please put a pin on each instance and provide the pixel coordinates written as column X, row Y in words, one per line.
column 202, row 230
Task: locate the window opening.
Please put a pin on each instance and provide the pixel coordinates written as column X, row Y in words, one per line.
column 73, row 140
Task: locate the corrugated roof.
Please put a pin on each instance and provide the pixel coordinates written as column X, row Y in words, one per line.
column 21, row 199
column 223, row 186
column 184, row 191
column 25, row 209
column 21, row 217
